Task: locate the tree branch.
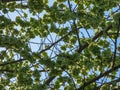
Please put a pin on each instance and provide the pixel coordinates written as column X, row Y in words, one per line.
column 6, row 70
column 49, row 80
column 75, row 26
column 94, row 38
column 115, row 43
column 12, row 62
column 5, row 1
column 98, row 77
column 71, row 79
column 69, row 5
column 108, row 83
column 57, row 41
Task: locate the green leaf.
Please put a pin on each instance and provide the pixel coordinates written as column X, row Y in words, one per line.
column 5, row 11
column 63, row 48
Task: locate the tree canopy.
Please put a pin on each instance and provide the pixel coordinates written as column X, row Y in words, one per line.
column 59, row 44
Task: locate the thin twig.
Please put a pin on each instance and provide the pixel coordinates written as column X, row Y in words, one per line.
column 71, row 79
column 57, row 41
column 88, row 33
column 75, row 26
column 108, row 83
column 69, row 5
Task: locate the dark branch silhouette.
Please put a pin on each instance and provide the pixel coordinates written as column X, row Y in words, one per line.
column 94, row 38
column 49, row 80
column 12, row 62
column 5, row 1
column 97, row 78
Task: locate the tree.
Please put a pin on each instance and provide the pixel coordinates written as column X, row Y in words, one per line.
column 59, row 44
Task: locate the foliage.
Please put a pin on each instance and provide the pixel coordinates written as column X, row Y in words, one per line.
column 59, row 44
